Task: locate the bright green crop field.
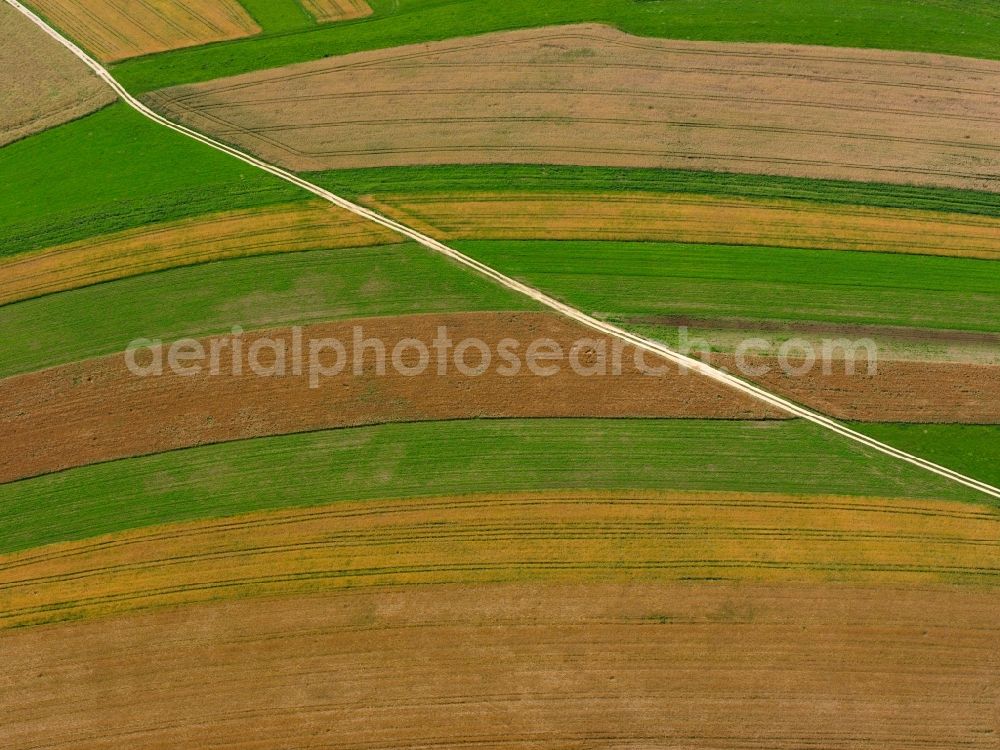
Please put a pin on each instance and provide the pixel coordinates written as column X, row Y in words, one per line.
column 958, row 27
column 463, row 179
column 116, row 170
column 444, row 458
column 621, row 280
column 256, row 293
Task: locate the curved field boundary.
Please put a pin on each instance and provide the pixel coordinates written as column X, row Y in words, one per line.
column 117, row 30
column 688, row 664
column 88, row 412
column 631, row 537
column 554, row 96
column 44, row 84
column 328, row 11
column 219, row 236
column 691, row 219
column 639, row 341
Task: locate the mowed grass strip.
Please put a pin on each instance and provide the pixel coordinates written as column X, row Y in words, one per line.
column 968, row 28
column 591, row 95
column 44, row 83
column 622, row 280
column 781, row 666
column 452, row 458
column 114, row 31
column 555, row 537
column 691, row 219
column 268, row 291
column 116, row 170
column 459, row 179
column 229, row 234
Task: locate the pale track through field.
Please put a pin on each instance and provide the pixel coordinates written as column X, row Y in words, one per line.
column 647, row 345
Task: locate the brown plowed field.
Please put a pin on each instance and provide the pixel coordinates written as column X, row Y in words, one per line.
column 44, row 84
column 692, row 219
column 326, row 11
column 567, row 537
column 232, row 234
column 97, row 410
column 699, row 665
column 896, row 392
column 113, row 30
column 590, row 95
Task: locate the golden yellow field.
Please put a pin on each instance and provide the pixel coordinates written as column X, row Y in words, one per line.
column 697, row 219
column 231, row 234
column 326, row 11
column 555, row 537
column 116, row 30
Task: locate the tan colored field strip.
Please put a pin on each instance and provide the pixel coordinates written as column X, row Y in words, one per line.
column 590, row 95
column 44, row 84
column 700, row 665
column 292, row 227
column 692, row 219
column 326, row 11
column 925, row 392
column 88, row 412
column 113, row 30
column 564, row 537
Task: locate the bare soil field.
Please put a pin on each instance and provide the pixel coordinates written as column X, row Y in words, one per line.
column 589, row 95
column 327, row 11
column 113, row 31
column 231, row 234
column 98, row 410
column 704, row 665
column 565, row 537
column 44, row 84
column 925, row 392
column 695, row 219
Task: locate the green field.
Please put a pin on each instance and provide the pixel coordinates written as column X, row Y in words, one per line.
column 441, row 458
column 973, row 450
column 115, row 170
column 463, row 179
column 255, row 293
column 620, row 281
column 279, row 16
column 959, row 27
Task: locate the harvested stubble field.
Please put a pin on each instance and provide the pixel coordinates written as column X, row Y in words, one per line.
column 114, row 31
column 932, row 392
column 428, row 459
column 44, row 84
column 565, row 537
column 693, row 219
column 693, row 664
column 283, row 228
column 327, row 11
column 86, row 412
column 591, row 95
column 261, row 292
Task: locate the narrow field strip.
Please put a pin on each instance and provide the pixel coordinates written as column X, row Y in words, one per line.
column 45, row 85
column 697, row 664
column 632, row 537
column 409, row 460
column 256, row 293
column 592, row 96
column 283, row 228
column 114, row 31
column 691, row 219
column 87, row 412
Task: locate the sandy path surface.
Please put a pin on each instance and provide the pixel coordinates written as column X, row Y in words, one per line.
column 694, row 665
column 591, row 95
column 44, row 84
column 97, row 410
